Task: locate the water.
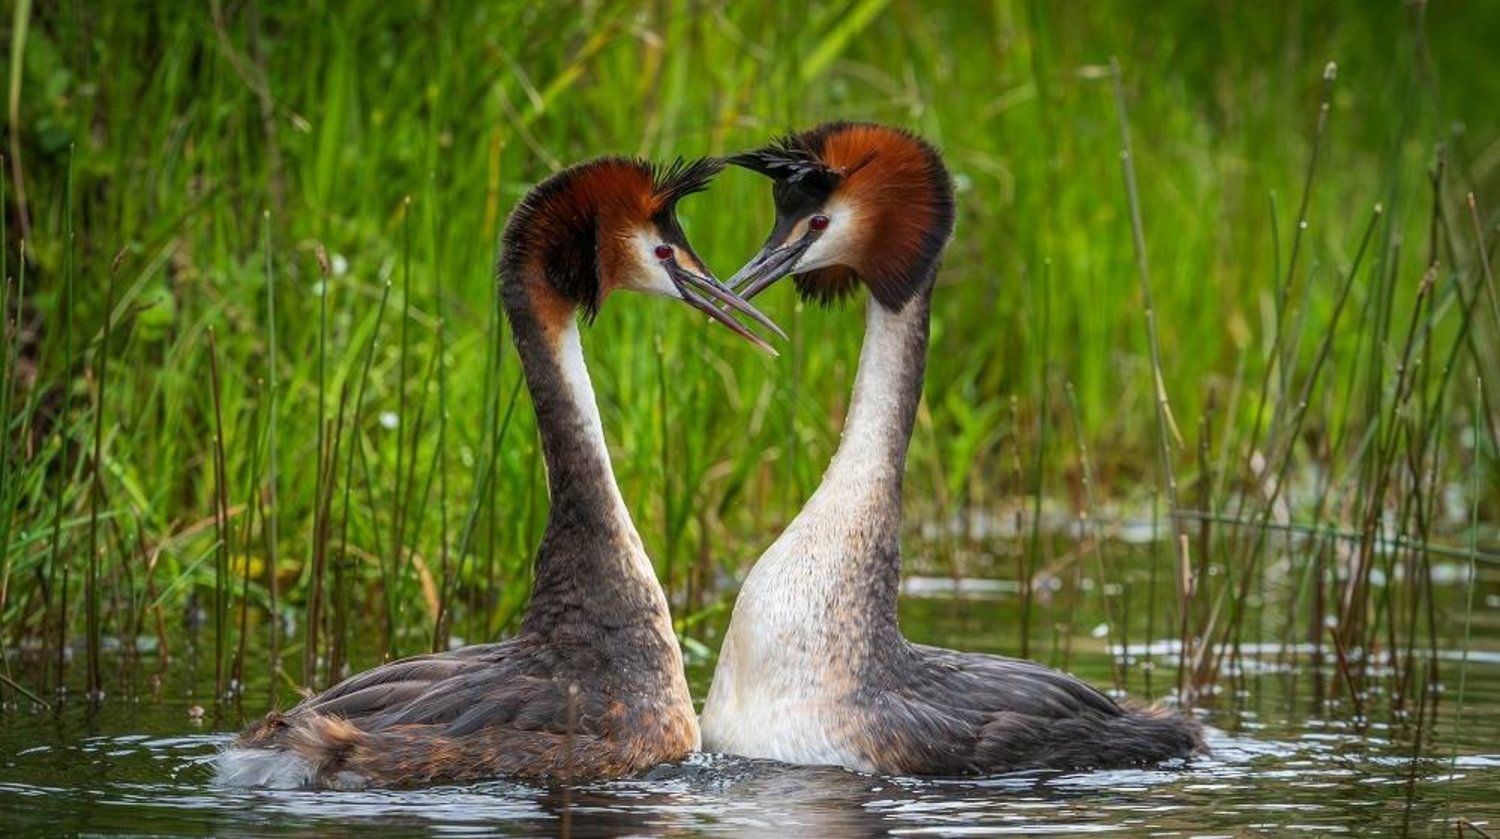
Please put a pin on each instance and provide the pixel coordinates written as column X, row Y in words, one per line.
column 1282, row 760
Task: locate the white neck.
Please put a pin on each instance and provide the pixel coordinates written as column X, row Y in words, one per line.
column 822, row 598
column 872, row 450
column 589, row 435
column 851, row 527
column 574, row 373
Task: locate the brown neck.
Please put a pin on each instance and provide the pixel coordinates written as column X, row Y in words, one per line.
column 591, row 566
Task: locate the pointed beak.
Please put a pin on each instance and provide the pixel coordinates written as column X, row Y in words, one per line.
column 701, row 291
column 771, row 264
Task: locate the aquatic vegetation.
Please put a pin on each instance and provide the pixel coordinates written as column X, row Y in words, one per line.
column 1269, row 338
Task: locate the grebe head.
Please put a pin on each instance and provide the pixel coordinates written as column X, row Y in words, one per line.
column 611, row 223
column 854, row 202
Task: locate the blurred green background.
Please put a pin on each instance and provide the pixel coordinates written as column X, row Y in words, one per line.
column 217, row 145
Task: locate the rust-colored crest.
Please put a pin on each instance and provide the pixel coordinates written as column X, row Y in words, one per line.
column 896, row 184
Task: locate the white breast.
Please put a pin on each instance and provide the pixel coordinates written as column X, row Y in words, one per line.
column 776, row 692
column 787, row 671
column 267, row 768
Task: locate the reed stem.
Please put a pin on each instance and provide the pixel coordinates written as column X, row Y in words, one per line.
column 319, row 535
column 1166, row 427
column 60, row 486
column 337, row 652
column 1091, row 539
column 272, row 513
column 398, row 519
column 96, row 496
column 221, row 520
column 1038, row 481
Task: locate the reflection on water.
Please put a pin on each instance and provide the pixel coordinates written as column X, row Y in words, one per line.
column 1284, row 756
column 1324, row 779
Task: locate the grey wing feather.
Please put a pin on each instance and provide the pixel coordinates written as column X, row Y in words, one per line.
column 461, row 692
column 992, row 683
column 969, row 712
column 393, row 686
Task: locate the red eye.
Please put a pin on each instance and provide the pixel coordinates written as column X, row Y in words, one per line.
column 663, row 251
column 818, row 222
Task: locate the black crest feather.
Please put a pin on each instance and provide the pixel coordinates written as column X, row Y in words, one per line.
column 682, row 178
column 794, row 158
column 907, row 198
column 789, row 159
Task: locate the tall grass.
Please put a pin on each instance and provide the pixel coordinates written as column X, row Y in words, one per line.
column 391, row 470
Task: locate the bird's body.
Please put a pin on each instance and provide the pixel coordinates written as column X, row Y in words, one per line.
column 593, row 684
column 517, row 709
column 814, row 667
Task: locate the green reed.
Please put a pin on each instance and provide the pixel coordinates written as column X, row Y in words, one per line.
column 222, row 546
column 11, row 296
column 1328, row 349
column 1166, row 427
column 56, row 557
column 1091, row 540
column 440, row 455
column 402, row 477
column 343, row 580
column 91, row 595
column 319, row 535
column 271, row 533
column 1038, row 472
column 251, row 507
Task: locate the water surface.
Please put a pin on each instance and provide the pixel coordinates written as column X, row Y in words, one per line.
column 1288, row 752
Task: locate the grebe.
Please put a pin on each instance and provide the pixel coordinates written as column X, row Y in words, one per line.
column 814, row 668
column 593, row 685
